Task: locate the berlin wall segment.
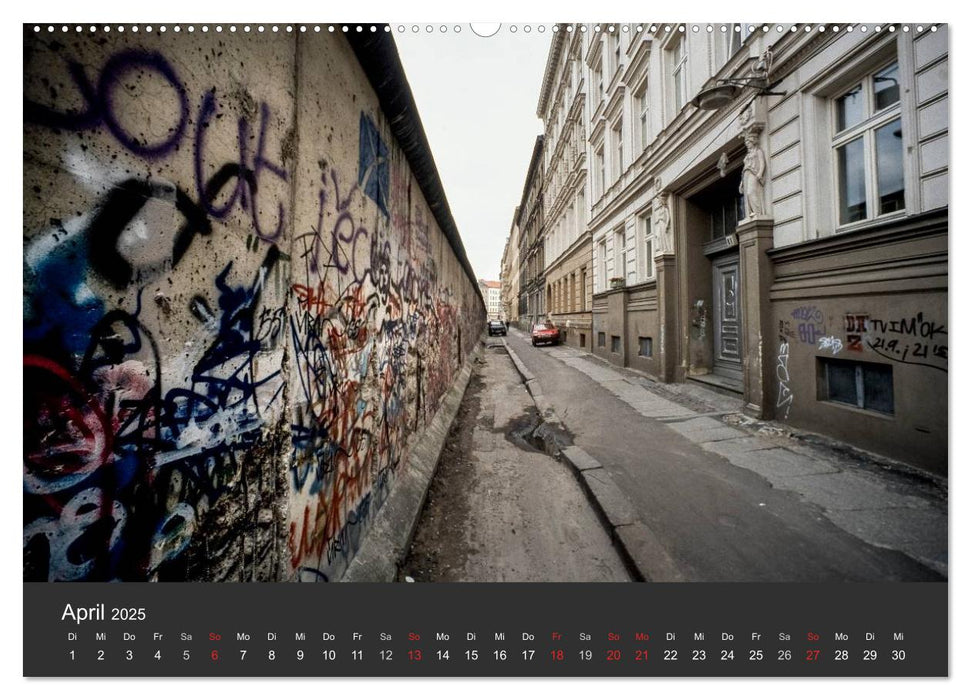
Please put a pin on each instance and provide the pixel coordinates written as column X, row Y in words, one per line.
column 239, row 307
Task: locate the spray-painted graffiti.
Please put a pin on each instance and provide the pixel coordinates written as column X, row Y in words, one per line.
column 856, row 328
column 138, row 71
column 913, row 340
column 784, row 401
column 808, row 313
column 374, row 351
column 120, row 471
column 831, row 343
column 184, row 392
column 810, row 326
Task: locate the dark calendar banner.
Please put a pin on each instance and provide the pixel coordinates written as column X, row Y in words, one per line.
column 549, row 630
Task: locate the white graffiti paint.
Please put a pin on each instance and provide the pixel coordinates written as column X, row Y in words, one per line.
column 831, row 343
column 782, row 374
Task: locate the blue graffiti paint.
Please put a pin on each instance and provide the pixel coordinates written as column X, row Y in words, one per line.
column 61, row 311
column 373, row 173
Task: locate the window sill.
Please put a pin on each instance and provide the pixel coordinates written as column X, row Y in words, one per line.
column 870, row 223
column 856, row 409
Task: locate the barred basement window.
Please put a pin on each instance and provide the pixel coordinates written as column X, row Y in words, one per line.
column 583, row 340
column 615, row 344
column 646, row 347
column 864, row 385
column 601, row 340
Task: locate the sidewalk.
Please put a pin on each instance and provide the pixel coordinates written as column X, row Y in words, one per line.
column 696, row 491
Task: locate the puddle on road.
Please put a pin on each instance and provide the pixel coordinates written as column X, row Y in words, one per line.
column 522, row 431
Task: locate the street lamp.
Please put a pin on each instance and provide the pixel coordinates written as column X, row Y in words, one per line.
column 726, row 89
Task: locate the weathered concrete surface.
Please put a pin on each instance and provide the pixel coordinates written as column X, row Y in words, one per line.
column 722, row 502
column 238, row 307
column 500, row 509
column 386, row 547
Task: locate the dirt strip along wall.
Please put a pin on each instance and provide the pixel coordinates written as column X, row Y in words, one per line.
column 238, row 307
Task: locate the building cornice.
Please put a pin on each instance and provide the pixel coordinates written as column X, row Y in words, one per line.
column 552, row 60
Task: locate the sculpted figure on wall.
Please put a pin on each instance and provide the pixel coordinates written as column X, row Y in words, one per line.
column 662, row 220
column 753, row 176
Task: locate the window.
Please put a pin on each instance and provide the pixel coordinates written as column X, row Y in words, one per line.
column 646, row 246
column 583, row 289
column 618, row 132
column 615, row 54
column 645, row 347
column 864, row 385
column 643, row 115
column 583, row 340
column 735, row 37
column 597, row 79
column 615, row 344
column 727, row 209
column 599, row 171
column 601, row 340
column 678, row 70
column 620, row 255
column 868, row 146
column 602, row 257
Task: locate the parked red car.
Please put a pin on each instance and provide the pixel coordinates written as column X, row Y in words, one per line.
column 545, row 333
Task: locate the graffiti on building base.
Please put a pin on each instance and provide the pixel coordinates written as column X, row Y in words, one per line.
column 912, row 340
column 784, row 401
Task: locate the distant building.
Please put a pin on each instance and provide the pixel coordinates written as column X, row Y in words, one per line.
column 532, row 259
column 491, row 293
column 509, row 273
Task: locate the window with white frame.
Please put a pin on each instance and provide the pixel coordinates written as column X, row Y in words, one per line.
column 581, row 209
column 735, row 37
column 597, row 80
column 646, row 245
column 602, row 262
column 618, row 138
column 868, row 150
column 643, row 116
column 620, row 254
column 615, row 49
column 678, row 73
column 599, row 173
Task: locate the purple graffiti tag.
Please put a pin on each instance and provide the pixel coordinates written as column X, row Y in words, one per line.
column 260, row 163
column 117, row 67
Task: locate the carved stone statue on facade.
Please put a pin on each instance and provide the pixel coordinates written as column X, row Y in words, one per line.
column 662, row 220
column 753, row 176
column 763, row 65
column 723, row 164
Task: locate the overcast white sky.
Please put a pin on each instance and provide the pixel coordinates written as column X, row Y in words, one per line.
column 477, row 99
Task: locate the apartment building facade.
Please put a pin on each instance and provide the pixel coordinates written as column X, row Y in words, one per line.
column 532, row 256
column 562, row 107
column 509, row 273
column 768, row 215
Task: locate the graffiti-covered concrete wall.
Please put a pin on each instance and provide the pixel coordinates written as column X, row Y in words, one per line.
column 239, row 306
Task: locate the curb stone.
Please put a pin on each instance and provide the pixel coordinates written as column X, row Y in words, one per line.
column 646, row 559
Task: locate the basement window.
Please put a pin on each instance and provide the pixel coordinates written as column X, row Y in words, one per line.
column 601, row 340
column 864, row 385
column 615, row 344
column 645, row 347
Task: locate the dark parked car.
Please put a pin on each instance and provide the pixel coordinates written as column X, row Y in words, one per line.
column 497, row 328
column 545, row 333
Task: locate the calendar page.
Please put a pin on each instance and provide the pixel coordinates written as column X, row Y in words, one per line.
column 424, row 349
